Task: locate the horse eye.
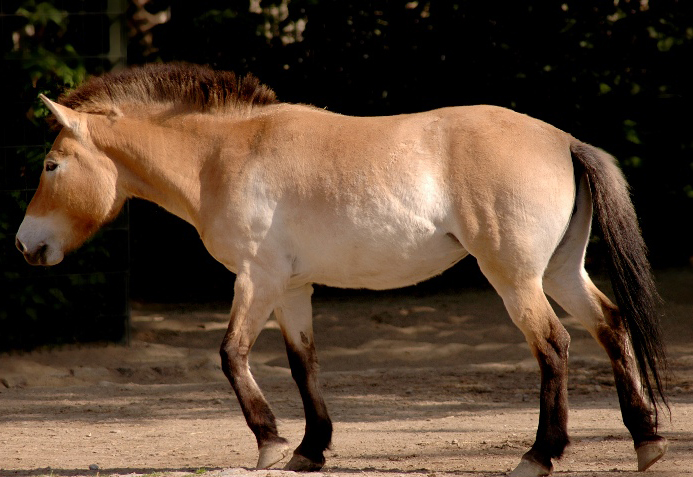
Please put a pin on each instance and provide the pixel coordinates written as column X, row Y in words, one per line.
column 51, row 166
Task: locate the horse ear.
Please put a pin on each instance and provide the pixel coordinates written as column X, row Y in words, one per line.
column 65, row 116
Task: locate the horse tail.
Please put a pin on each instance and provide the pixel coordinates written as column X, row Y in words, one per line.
column 629, row 268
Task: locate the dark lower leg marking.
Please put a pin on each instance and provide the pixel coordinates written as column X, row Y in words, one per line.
column 304, row 369
column 552, row 433
column 636, row 412
column 255, row 408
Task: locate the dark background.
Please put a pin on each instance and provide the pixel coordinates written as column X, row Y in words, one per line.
column 616, row 74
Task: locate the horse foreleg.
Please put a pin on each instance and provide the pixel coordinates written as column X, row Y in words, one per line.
column 249, row 313
column 295, row 319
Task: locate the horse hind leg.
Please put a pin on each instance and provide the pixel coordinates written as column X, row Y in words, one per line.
column 567, row 282
column 636, row 412
column 578, row 296
column 294, row 315
column 549, row 341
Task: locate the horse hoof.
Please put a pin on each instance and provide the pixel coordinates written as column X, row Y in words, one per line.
column 530, row 468
column 299, row 463
column 650, row 452
column 271, row 453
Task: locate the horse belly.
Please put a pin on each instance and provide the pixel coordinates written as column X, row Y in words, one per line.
column 377, row 263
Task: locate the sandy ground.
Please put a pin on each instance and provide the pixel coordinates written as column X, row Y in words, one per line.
column 418, row 384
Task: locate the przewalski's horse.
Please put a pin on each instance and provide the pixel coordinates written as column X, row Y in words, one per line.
column 287, row 195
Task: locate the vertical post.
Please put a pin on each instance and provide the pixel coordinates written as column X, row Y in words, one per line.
column 118, row 42
column 117, row 57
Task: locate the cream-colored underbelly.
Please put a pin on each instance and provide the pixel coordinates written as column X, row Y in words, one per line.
column 379, row 265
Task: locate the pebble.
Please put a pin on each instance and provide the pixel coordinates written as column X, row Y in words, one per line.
column 93, row 467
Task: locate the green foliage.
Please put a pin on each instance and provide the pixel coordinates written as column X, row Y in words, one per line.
column 41, row 50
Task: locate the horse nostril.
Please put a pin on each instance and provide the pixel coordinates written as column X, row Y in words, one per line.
column 20, row 246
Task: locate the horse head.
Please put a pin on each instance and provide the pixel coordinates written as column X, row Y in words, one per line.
column 77, row 192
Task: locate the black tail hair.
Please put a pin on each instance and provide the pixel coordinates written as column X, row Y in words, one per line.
column 629, row 268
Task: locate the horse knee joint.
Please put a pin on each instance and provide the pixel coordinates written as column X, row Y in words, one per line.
column 233, row 351
column 560, row 340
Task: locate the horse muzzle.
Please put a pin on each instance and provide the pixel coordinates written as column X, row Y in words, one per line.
column 36, row 245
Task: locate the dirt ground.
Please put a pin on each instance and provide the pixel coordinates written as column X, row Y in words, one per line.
column 418, row 384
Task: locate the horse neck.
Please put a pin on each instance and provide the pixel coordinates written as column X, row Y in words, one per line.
column 155, row 163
